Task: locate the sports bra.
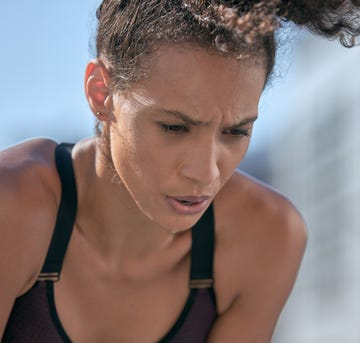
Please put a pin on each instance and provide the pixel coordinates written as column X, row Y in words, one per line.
column 34, row 318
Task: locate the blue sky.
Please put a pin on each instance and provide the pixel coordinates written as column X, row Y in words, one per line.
column 45, row 48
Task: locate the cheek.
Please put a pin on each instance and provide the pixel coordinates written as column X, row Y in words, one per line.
column 229, row 160
column 137, row 160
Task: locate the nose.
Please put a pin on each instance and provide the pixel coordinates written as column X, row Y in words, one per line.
column 200, row 163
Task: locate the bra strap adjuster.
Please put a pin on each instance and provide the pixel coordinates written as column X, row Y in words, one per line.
column 201, row 283
column 49, row 277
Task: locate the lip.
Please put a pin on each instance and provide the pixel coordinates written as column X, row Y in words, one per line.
column 197, row 204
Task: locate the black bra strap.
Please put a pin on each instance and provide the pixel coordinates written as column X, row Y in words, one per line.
column 202, row 251
column 65, row 217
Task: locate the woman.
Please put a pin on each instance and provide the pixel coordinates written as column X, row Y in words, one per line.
column 146, row 233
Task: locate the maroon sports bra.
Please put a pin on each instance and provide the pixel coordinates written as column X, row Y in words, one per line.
column 34, row 317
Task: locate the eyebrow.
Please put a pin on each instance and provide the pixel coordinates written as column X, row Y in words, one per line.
column 186, row 119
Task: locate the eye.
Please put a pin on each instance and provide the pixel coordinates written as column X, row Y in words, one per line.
column 174, row 128
column 237, row 132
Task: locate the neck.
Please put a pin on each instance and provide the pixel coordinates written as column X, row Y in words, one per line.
column 110, row 221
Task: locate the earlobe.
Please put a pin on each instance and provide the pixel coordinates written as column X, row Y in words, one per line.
column 97, row 89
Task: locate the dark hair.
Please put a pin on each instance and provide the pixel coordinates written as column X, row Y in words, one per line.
column 129, row 30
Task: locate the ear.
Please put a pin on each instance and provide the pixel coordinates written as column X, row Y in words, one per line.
column 97, row 89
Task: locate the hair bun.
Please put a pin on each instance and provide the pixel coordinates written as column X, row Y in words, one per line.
column 332, row 19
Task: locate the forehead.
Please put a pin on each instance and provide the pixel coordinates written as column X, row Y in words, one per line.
column 192, row 79
column 194, row 63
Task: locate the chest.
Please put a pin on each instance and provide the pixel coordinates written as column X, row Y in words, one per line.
column 108, row 311
column 93, row 305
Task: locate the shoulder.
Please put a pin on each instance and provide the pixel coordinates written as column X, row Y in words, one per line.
column 30, row 193
column 245, row 204
column 260, row 238
column 27, row 173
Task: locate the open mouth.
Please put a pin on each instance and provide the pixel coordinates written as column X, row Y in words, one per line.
column 188, row 205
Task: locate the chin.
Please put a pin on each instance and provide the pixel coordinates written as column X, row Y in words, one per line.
column 181, row 224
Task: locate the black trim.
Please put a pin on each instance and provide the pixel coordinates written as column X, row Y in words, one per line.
column 54, row 315
column 213, row 298
column 202, row 251
column 166, row 339
column 202, row 256
column 66, row 213
column 181, row 319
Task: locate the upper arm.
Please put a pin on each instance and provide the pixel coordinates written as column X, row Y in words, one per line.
column 265, row 263
column 26, row 204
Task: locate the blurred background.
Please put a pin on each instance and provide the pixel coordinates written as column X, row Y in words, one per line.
column 314, row 159
column 305, row 144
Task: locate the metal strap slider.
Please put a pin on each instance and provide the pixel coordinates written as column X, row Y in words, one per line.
column 49, row 277
column 201, row 283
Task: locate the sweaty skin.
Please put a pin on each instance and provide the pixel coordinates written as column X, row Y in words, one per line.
column 180, row 132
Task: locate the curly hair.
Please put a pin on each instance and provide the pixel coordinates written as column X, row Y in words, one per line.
column 129, row 30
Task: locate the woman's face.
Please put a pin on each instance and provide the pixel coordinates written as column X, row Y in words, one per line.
column 180, row 133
